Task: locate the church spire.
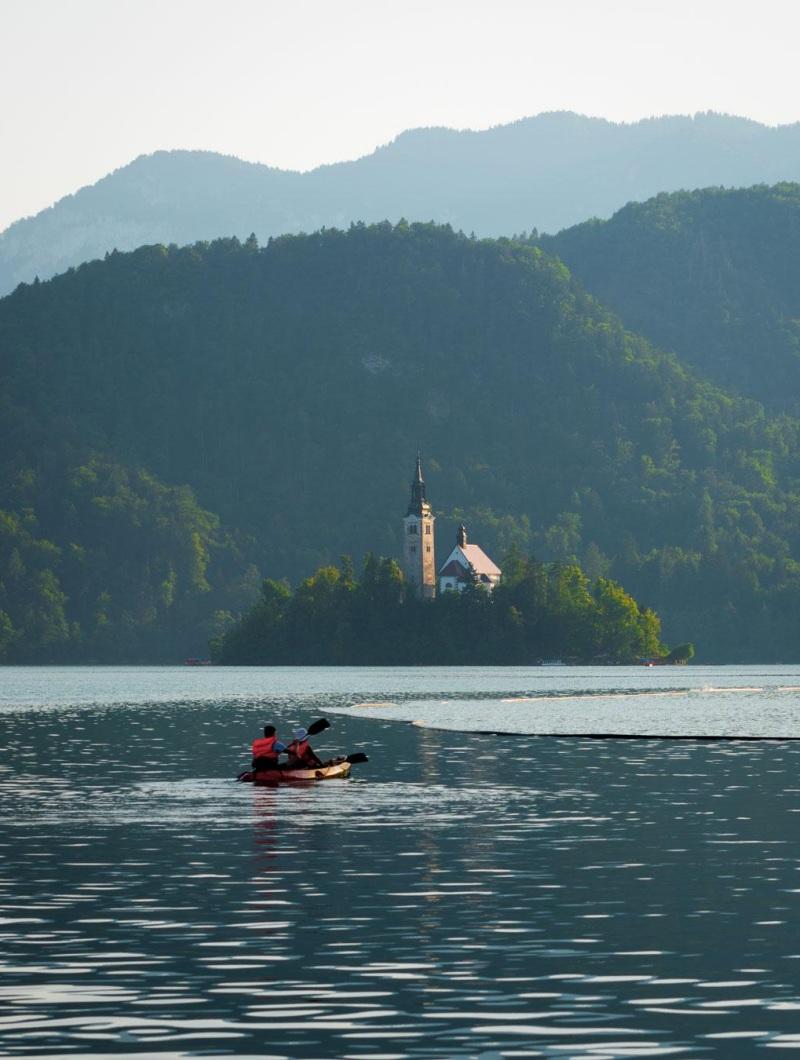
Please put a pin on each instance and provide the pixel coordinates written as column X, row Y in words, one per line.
column 419, row 559
column 418, row 498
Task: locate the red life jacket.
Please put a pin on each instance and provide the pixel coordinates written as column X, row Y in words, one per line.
column 299, row 748
column 263, row 748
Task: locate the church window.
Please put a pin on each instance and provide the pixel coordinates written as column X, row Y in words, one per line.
column 412, row 548
column 428, row 528
column 427, row 548
column 412, row 528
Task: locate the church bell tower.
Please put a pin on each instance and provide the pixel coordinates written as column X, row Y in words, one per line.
column 419, row 557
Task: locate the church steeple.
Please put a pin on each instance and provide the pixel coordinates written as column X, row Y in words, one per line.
column 419, row 560
column 418, row 499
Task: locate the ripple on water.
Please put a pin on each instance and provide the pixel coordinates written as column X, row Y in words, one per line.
column 464, row 896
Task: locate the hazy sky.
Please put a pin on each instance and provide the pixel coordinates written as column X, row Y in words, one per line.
column 87, row 85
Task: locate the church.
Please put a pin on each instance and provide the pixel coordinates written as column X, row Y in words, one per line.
column 466, row 564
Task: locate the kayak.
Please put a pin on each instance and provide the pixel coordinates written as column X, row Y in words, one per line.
column 339, row 769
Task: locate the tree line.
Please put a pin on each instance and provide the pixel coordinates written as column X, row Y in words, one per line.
column 538, row 611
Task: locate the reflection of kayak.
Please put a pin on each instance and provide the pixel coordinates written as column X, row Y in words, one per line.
column 339, row 768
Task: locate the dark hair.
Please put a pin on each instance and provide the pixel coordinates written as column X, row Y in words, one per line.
column 269, row 730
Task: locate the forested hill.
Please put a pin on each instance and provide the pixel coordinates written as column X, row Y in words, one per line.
column 547, row 171
column 713, row 275
column 101, row 562
column 290, row 385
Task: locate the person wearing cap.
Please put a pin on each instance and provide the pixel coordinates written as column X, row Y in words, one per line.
column 300, row 754
column 267, row 749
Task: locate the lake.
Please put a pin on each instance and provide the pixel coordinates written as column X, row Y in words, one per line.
column 463, row 895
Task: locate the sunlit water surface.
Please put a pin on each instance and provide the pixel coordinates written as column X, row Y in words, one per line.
column 463, row 895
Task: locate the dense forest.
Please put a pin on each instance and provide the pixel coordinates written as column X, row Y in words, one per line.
column 545, row 171
column 99, row 562
column 538, row 611
column 711, row 275
column 288, row 386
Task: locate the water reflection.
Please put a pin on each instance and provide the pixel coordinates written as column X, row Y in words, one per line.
column 265, row 824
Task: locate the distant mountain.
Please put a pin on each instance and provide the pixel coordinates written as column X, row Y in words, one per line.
column 546, row 172
column 713, row 275
column 290, row 386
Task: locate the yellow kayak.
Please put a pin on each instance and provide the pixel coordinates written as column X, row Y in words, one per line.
column 338, row 769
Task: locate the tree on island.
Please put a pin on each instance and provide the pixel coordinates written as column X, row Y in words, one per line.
column 682, row 653
column 539, row 610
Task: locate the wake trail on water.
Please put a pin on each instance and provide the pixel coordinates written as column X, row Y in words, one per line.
column 619, row 714
column 567, row 696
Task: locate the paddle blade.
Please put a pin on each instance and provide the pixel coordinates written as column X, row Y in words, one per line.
column 357, row 758
column 316, row 727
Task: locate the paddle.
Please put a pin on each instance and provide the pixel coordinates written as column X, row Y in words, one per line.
column 317, row 727
column 354, row 759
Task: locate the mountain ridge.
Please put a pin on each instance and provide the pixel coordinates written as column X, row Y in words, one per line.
column 547, row 171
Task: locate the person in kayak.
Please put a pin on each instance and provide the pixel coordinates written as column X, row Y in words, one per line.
column 267, row 749
column 300, row 754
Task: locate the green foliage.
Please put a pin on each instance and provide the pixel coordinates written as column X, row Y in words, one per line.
column 682, row 653
column 8, row 634
column 713, row 275
column 288, row 386
column 622, row 630
column 543, row 610
column 131, row 578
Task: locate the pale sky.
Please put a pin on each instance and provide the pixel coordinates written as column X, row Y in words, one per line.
column 87, row 85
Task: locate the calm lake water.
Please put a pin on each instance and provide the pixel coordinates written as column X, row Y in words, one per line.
column 463, row 895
